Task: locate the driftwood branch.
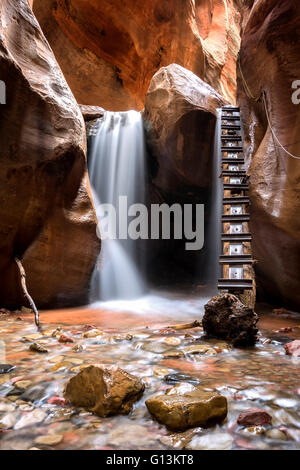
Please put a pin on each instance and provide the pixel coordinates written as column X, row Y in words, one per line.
column 26, row 293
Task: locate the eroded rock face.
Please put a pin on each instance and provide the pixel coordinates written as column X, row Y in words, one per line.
column 270, row 62
column 109, row 51
column 180, row 115
column 186, row 406
column 228, row 318
column 46, row 214
column 104, row 391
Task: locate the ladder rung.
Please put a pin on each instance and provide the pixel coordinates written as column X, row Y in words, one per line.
column 235, row 218
column 235, row 200
column 234, row 173
column 236, row 237
column 230, row 118
column 231, row 127
column 230, row 108
column 235, row 284
column 233, row 160
column 229, row 186
column 231, row 138
column 235, row 259
column 231, row 149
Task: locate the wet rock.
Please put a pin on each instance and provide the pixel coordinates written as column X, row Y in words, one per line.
column 6, row 368
column 254, row 417
column 104, row 391
column 276, row 434
column 155, row 347
column 56, row 400
column 78, row 348
column 173, row 341
column 199, row 349
column 186, row 406
column 26, row 310
column 36, row 347
column 174, row 353
column 35, row 393
column 226, row 317
column 177, row 378
column 30, row 418
column 293, row 348
column 23, row 384
column 8, row 421
column 93, row 333
column 213, row 441
column 49, row 439
column 65, row 339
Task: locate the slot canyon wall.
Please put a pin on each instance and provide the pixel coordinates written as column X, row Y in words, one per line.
column 270, row 62
column 46, row 213
column 109, row 50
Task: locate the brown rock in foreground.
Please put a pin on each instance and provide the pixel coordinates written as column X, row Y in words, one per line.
column 46, row 213
column 180, row 115
column 104, row 391
column 254, row 417
column 270, row 62
column 186, row 406
column 109, row 50
column 226, row 317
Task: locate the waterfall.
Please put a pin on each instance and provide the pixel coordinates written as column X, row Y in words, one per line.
column 117, row 169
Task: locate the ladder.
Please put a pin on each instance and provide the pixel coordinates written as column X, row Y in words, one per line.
column 236, row 238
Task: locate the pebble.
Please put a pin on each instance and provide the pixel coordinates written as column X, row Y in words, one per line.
column 23, row 384
column 49, row 439
column 276, row 434
column 65, row 339
column 92, row 333
column 212, row 441
column 173, row 341
column 6, row 368
column 30, row 418
column 36, row 347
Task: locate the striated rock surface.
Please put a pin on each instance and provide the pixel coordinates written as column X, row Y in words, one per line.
column 270, row 62
column 180, row 115
column 186, row 406
column 46, row 214
column 104, row 391
column 228, row 318
column 109, row 51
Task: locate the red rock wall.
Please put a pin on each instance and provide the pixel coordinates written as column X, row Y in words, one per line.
column 46, row 213
column 109, row 50
column 270, row 61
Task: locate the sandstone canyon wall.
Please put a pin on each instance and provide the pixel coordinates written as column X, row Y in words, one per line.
column 109, row 50
column 46, row 213
column 270, row 62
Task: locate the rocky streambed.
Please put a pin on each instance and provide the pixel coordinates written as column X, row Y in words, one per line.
column 260, row 385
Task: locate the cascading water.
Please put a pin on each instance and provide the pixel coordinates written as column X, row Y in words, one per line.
column 117, row 168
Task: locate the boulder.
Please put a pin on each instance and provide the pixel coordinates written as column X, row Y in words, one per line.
column 270, row 42
column 254, row 417
column 185, row 406
column 104, row 391
column 226, row 317
column 293, row 348
column 109, row 50
column 180, row 115
column 46, row 212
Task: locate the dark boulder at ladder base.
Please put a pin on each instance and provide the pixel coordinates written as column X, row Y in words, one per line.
column 228, row 318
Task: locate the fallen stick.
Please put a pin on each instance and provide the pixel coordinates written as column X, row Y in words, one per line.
column 186, row 326
column 26, row 293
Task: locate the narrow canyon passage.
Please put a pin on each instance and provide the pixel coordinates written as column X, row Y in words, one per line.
column 149, row 217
